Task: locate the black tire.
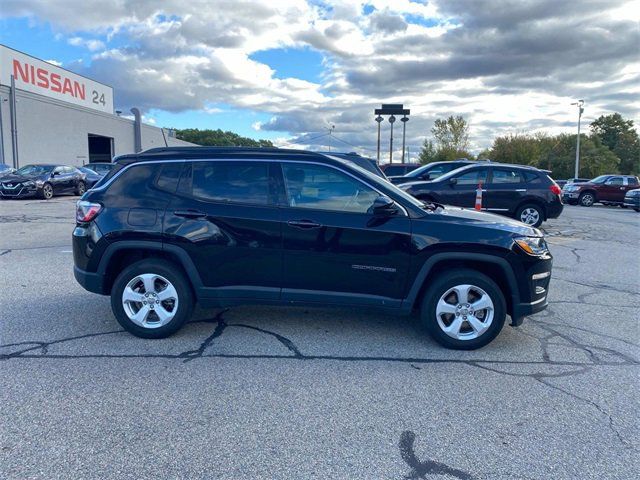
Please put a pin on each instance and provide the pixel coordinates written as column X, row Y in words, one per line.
column 587, row 199
column 81, row 188
column 445, row 282
column 637, row 209
column 47, row 191
column 529, row 207
column 623, row 206
column 171, row 273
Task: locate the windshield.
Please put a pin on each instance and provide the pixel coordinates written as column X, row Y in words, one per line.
column 419, row 171
column 34, row 169
column 87, row 170
column 600, row 179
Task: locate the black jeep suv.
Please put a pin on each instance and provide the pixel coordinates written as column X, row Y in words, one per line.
column 228, row 226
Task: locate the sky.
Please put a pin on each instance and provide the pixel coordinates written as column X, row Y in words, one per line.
column 289, row 70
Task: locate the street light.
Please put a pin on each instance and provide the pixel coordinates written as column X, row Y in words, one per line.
column 579, row 104
column 379, row 119
column 392, row 119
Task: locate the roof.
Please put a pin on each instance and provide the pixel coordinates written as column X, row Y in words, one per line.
column 184, row 152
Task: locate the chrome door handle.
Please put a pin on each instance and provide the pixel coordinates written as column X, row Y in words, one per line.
column 189, row 214
column 521, row 189
column 304, row 224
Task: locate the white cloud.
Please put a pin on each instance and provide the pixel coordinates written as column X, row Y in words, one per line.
column 505, row 69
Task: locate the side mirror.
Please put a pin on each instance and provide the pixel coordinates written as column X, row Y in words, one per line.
column 453, row 181
column 54, row 173
column 383, row 206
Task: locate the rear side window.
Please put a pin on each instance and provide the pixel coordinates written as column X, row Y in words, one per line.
column 503, row 175
column 230, row 182
column 632, row 180
column 531, row 177
column 169, row 175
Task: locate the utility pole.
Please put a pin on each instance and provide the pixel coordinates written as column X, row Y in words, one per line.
column 379, row 119
column 391, row 120
column 579, row 104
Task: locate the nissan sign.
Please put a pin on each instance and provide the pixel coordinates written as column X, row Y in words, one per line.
column 37, row 76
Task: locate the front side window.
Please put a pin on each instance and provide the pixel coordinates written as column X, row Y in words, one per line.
column 501, row 176
column 231, row 182
column 323, row 188
column 473, row 177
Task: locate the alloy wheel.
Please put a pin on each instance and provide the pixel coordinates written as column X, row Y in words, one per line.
column 530, row 216
column 150, row 300
column 465, row 312
column 47, row 191
column 587, row 200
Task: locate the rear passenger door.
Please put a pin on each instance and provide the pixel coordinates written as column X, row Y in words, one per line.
column 224, row 215
column 505, row 190
column 612, row 190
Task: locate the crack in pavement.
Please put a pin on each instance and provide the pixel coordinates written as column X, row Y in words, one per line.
column 595, row 356
column 419, row 469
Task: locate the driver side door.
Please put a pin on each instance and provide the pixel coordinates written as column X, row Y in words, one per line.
column 334, row 249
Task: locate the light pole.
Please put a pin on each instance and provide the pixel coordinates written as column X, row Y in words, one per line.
column 379, row 119
column 404, row 121
column 579, row 104
column 391, row 120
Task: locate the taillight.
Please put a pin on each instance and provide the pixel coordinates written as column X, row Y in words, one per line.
column 87, row 211
column 555, row 189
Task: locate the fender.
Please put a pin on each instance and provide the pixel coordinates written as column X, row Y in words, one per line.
column 410, row 300
column 123, row 245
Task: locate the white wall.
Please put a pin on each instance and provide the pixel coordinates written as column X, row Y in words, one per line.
column 50, row 131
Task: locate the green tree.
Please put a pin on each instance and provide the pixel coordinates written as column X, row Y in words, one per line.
column 620, row 136
column 519, row 148
column 451, row 134
column 451, row 141
column 427, row 153
column 218, row 138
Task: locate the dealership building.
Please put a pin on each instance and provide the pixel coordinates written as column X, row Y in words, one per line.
column 51, row 115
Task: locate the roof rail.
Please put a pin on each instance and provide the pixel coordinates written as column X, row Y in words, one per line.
column 221, row 149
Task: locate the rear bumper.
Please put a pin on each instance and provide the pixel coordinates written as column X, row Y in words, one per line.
column 93, row 282
column 554, row 210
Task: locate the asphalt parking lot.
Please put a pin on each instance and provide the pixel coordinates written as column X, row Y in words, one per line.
column 281, row 393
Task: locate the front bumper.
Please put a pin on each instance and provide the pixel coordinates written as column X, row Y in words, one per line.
column 19, row 192
column 633, row 202
column 522, row 310
column 570, row 197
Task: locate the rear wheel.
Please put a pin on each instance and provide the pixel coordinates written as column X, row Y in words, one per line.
column 151, row 299
column 587, row 199
column 531, row 214
column 463, row 309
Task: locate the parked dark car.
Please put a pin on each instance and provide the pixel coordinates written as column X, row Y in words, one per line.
column 632, row 199
column 43, row 181
column 368, row 164
column 398, row 169
column 229, row 226
column 431, row 171
column 90, row 176
column 605, row 189
column 5, row 170
column 101, row 168
column 524, row 193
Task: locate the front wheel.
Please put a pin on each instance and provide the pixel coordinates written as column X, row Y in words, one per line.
column 463, row 309
column 637, row 209
column 81, row 188
column 151, row 299
column 587, row 199
column 47, row 191
column 530, row 214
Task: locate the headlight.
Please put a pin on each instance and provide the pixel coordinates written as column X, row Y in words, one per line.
column 29, row 184
column 536, row 246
